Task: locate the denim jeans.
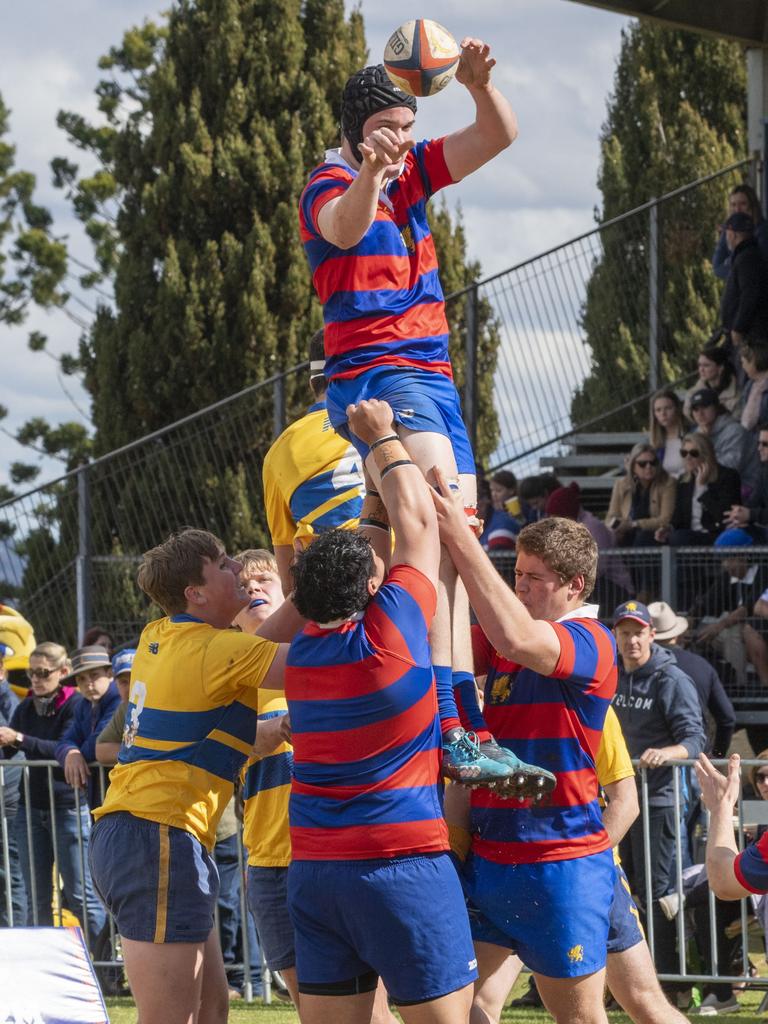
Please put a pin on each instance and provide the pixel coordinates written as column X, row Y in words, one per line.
column 38, row 864
column 230, row 923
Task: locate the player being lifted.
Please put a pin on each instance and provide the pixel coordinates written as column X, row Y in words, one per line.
column 367, row 238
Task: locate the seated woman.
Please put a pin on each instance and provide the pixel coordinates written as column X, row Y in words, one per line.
column 715, row 372
column 705, row 492
column 754, row 408
column 501, row 526
column 666, row 428
column 642, row 501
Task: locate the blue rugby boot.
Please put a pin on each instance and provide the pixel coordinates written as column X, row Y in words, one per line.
column 464, row 762
column 527, row 781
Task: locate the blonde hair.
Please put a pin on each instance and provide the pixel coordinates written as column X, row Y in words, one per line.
column 52, row 652
column 640, row 449
column 256, row 560
column 564, row 546
column 707, row 454
column 656, row 432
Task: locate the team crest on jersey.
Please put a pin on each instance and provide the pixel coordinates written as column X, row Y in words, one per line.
column 501, row 689
column 576, row 954
column 154, row 648
column 407, row 236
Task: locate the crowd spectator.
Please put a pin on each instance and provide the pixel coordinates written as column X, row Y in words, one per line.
column 642, row 501
column 11, row 882
column 533, row 492
column 753, row 516
column 670, row 628
column 661, row 719
column 502, row 525
column 715, row 372
column 725, row 606
column 705, row 492
column 743, row 199
column 227, row 852
column 754, row 359
column 92, row 674
column 36, row 727
column 744, row 304
column 110, row 739
column 613, row 580
column 100, row 637
column 666, row 429
column 735, row 448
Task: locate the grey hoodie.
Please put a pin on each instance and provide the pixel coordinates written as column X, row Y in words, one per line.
column 657, row 706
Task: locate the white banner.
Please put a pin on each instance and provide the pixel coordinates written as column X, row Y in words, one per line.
column 46, row 977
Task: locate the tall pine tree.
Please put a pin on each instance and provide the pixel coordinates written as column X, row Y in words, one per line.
column 677, row 113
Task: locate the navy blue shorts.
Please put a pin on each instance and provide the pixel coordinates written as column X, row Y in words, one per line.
column 554, row 915
column 420, row 400
column 402, row 918
column 625, row 930
column 268, row 902
column 158, row 882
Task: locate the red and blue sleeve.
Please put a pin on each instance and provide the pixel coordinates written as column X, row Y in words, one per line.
column 587, row 654
column 751, row 866
column 430, row 160
column 323, row 186
column 399, row 616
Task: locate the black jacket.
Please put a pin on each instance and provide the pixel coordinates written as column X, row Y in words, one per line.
column 41, row 736
column 712, row 697
column 758, row 500
column 744, row 306
column 715, row 501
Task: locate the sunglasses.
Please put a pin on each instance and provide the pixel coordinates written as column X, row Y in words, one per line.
column 690, row 453
column 644, row 463
column 42, row 673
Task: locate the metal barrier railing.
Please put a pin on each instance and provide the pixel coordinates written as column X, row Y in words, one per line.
column 98, row 927
column 105, row 947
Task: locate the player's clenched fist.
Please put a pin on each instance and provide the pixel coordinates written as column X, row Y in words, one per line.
column 371, row 419
column 382, row 148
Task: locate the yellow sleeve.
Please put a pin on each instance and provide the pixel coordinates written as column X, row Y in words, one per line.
column 613, row 760
column 279, row 519
column 235, row 660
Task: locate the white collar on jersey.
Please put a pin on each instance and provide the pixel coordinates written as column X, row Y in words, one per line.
column 584, row 611
column 333, row 156
column 340, row 622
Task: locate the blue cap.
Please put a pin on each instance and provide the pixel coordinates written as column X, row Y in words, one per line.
column 6, row 651
column 735, row 538
column 633, row 610
column 123, row 661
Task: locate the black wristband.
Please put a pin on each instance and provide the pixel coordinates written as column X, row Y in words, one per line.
column 375, row 523
column 370, row 493
column 382, row 440
column 395, row 465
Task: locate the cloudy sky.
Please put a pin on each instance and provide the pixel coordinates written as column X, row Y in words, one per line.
column 555, row 62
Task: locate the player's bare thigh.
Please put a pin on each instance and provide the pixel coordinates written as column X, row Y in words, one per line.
column 177, row 982
column 574, row 999
column 428, row 449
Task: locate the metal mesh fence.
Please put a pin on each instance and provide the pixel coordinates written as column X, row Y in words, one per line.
column 68, row 549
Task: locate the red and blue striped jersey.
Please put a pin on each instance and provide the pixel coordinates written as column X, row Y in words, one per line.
column 751, row 866
column 555, row 722
column 382, row 299
column 365, row 732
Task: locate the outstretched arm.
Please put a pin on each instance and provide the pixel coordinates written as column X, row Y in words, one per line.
column 402, row 488
column 495, row 124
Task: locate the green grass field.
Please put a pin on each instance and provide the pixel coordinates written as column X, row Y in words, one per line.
column 122, row 1011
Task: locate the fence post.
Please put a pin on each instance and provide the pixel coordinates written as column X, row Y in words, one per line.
column 470, row 368
column 278, row 406
column 83, row 562
column 654, row 295
column 668, row 574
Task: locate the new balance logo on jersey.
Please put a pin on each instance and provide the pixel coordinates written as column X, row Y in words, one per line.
column 154, row 648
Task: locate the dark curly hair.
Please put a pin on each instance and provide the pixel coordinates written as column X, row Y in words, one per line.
column 331, row 576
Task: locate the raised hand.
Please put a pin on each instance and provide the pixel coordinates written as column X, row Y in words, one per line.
column 382, row 148
column 475, row 64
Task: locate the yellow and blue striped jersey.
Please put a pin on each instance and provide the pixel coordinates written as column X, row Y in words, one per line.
column 613, row 762
column 313, row 480
column 266, row 792
column 190, row 723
